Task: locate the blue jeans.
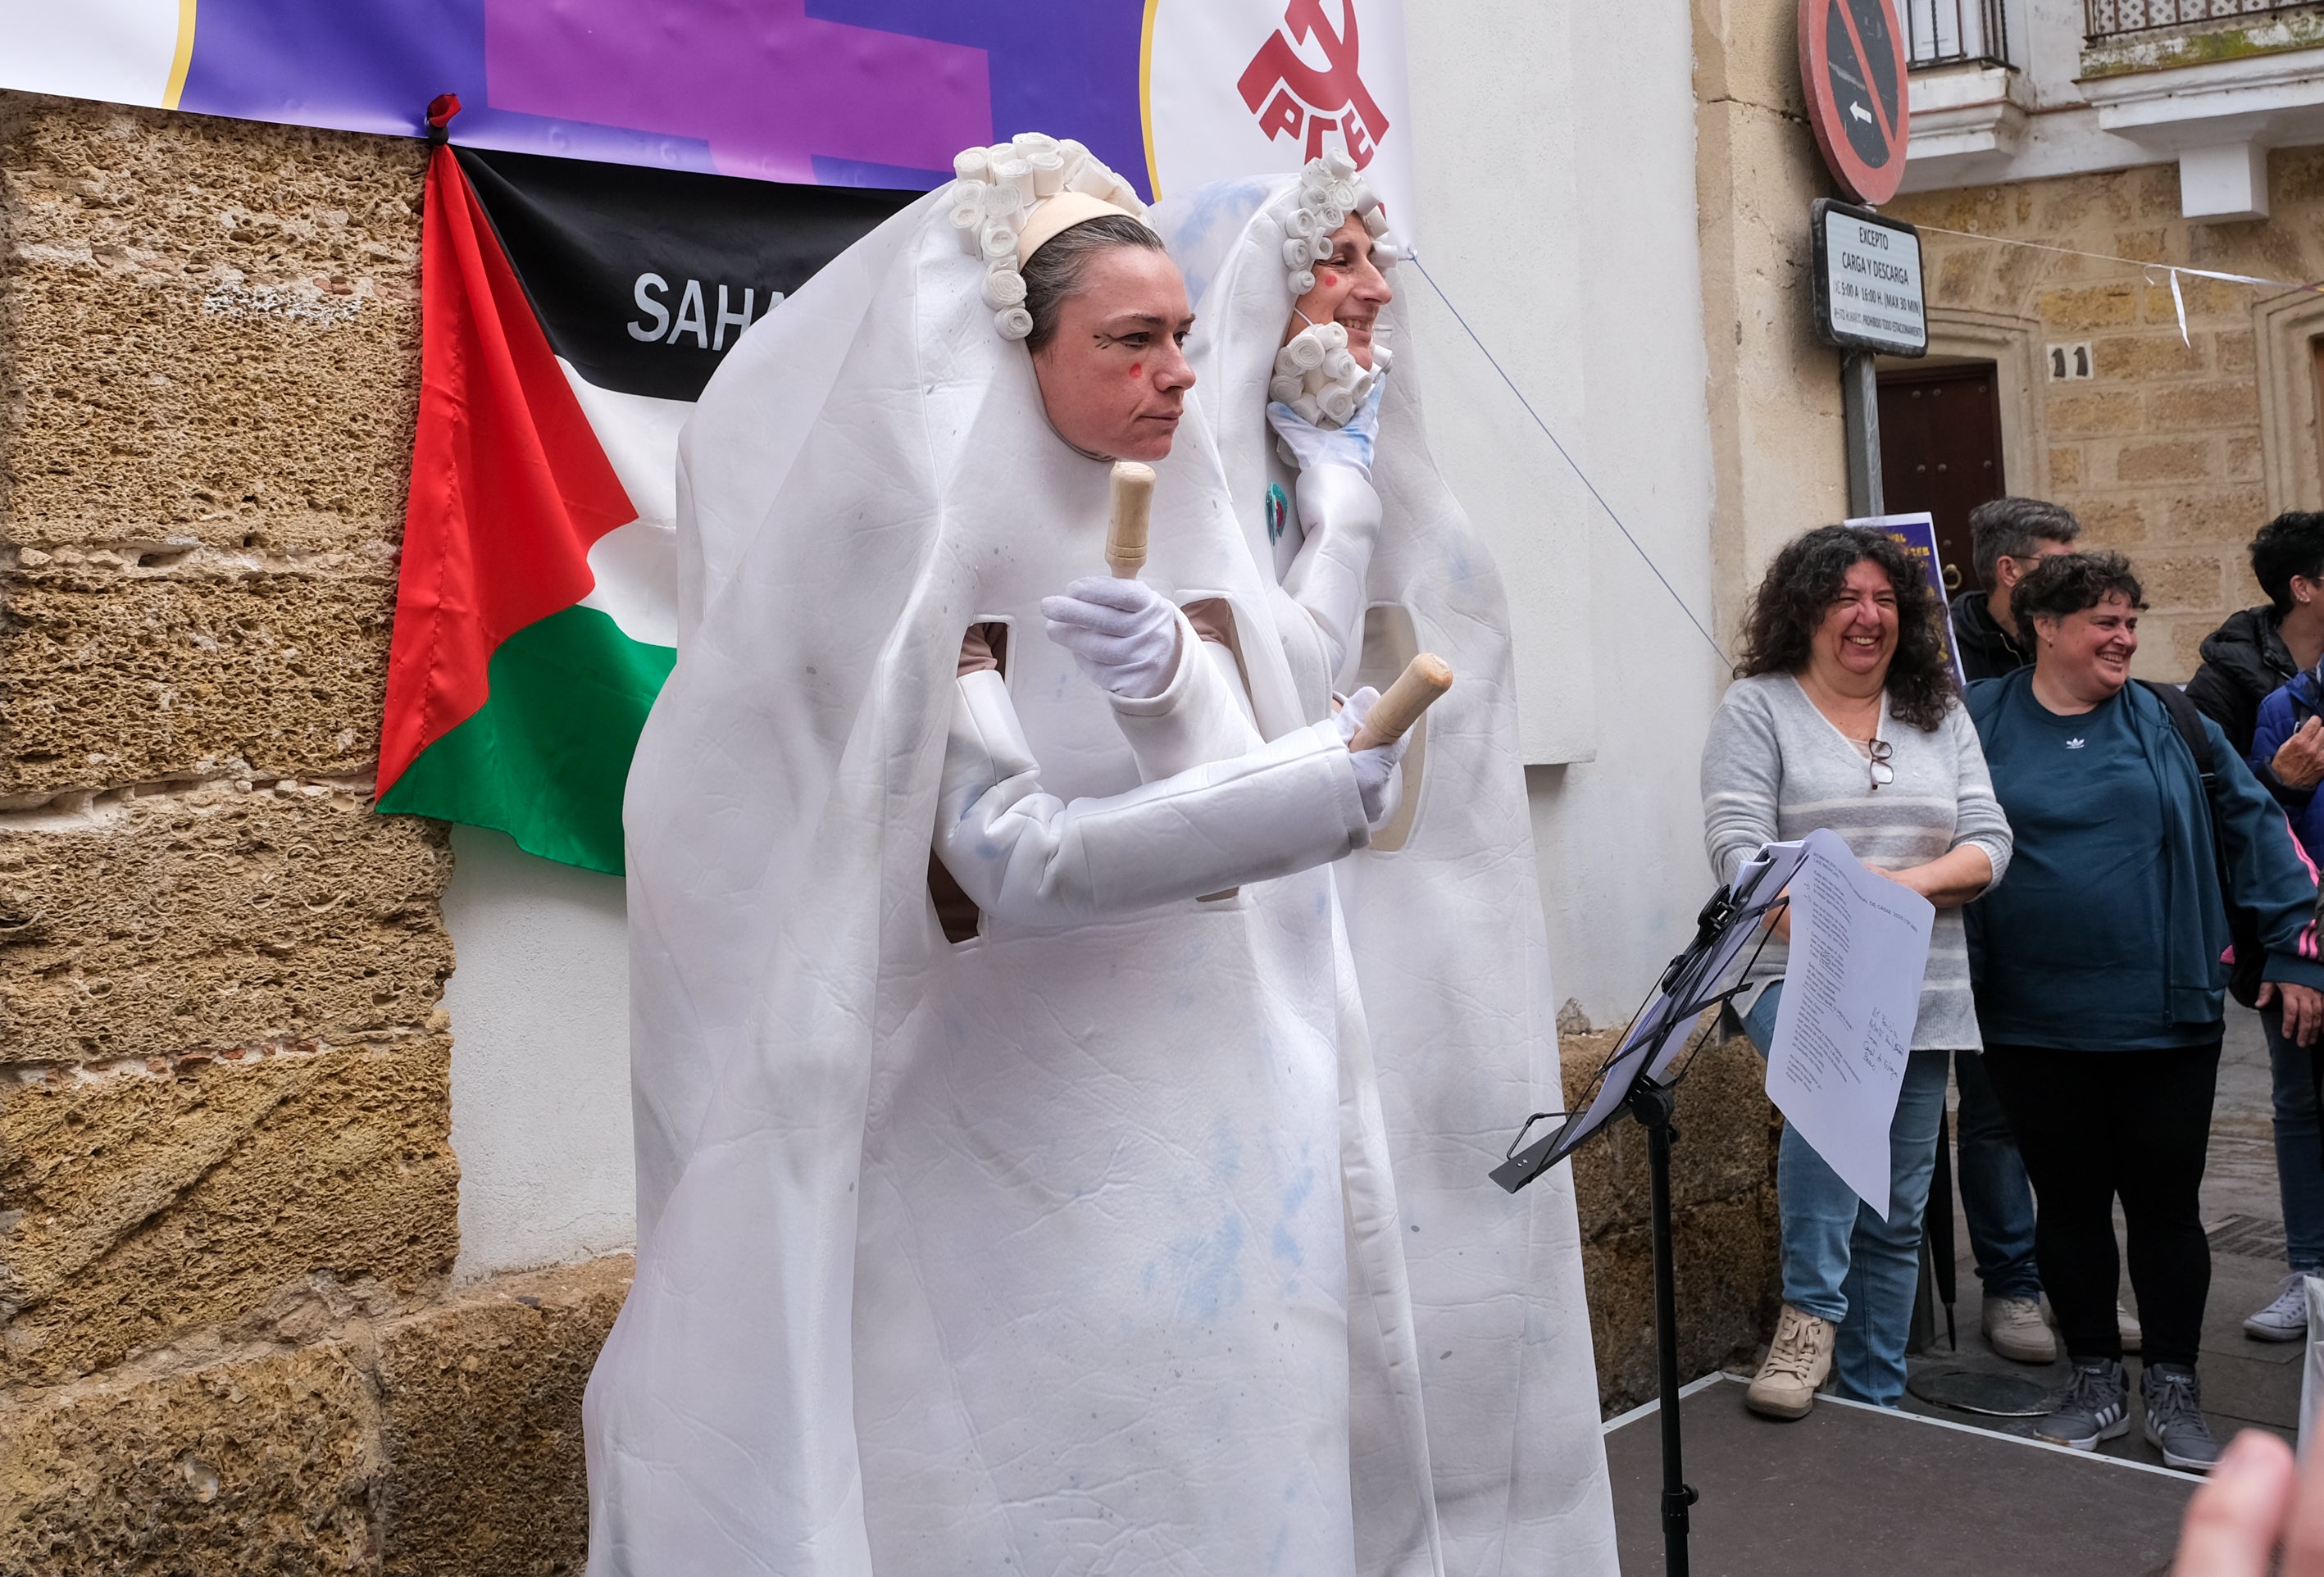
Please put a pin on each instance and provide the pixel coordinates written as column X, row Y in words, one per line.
column 2299, row 1159
column 1998, row 1200
column 1844, row 1261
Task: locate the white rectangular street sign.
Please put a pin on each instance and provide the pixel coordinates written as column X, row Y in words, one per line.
column 1867, row 281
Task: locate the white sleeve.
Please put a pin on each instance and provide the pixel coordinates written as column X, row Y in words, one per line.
column 1202, row 717
column 1029, row 858
column 1341, row 515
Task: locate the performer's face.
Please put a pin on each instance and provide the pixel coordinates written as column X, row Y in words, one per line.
column 1114, row 379
column 1349, row 287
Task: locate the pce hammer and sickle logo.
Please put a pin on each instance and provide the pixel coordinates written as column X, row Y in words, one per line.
column 1295, row 94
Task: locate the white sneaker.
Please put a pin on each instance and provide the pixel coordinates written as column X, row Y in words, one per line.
column 2285, row 1319
column 2013, row 1328
column 1799, row 1360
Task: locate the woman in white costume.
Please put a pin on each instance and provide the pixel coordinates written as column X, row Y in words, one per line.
column 1062, row 1247
column 1340, row 498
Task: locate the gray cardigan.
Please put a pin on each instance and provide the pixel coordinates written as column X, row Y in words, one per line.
column 1774, row 768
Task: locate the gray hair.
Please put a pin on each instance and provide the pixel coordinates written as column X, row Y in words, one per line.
column 2009, row 528
column 1059, row 268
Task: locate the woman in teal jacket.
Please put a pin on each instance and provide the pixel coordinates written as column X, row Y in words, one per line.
column 2100, row 985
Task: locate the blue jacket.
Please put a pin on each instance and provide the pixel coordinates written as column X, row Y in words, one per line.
column 2292, row 704
column 2267, row 869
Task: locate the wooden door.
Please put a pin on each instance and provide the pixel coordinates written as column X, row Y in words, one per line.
column 1940, row 451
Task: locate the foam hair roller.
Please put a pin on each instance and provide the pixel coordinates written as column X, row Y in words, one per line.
column 1386, row 252
column 1338, row 164
column 1360, row 199
column 1286, row 387
column 1070, row 149
column 1301, row 223
column 1382, row 357
column 1319, row 250
column 971, row 163
column 1014, row 322
column 1295, row 253
column 1374, row 222
column 1341, row 194
column 1302, row 281
column 1284, row 363
column 999, row 241
column 964, row 205
column 1001, row 154
column 1305, row 352
column 1033, row 141
column 1341, row 367
column 1309, row 410
column 1329, row 218
column 1337, row 403
column 1048, row 172
column 1018, row 173
column 1004, row 288
column 1333, row 335
column 1003, row 202
column 1091, row 178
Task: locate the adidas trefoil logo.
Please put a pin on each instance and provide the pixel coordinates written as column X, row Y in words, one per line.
column 2075, row 742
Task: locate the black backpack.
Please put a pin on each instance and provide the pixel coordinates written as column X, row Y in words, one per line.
column 2243, row 924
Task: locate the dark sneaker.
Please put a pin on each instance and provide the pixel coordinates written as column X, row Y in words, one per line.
column 2095, row 1405
column 2174, row 1416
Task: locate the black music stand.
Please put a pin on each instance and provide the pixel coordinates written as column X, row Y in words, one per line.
column 1639, row 1078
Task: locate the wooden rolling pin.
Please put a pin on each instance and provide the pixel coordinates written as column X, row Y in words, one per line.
column 1133, row 500
column 1424, row 679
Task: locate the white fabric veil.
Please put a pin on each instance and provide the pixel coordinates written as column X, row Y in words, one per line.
column 908, row 1209
column 1449, row 941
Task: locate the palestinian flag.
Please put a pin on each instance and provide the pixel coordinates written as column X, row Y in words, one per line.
column 572, row 313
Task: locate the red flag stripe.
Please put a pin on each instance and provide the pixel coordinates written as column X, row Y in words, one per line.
column 510, row 486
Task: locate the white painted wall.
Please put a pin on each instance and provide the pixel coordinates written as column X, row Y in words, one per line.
column 1558, row 212
column 539, row 1002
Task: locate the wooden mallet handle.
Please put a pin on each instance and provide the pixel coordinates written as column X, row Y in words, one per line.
column 1125, row 539
column 1416, row 688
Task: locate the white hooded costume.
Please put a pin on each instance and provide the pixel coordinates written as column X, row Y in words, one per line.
column 1066, row 1248
column 1443, row 913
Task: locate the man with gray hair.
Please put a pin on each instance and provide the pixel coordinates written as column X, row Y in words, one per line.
column 2007, row 537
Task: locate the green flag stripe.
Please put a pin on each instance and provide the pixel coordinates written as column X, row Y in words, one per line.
column 545, row 757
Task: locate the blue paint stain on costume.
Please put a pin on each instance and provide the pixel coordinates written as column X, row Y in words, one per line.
column 1279, row 512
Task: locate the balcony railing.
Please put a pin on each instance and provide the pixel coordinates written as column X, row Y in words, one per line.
column 1947, row 33
column 2112, row 18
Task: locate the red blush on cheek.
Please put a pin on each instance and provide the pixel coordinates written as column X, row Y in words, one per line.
column 1137, row 369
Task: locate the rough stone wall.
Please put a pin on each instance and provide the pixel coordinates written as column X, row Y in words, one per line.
column 2161, row 452
column 1727, row 1236
column 228, row 1202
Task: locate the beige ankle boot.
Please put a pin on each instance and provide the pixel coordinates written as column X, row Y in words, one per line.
column 1798, row 1361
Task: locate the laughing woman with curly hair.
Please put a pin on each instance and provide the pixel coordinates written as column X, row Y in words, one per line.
column 1843, row 715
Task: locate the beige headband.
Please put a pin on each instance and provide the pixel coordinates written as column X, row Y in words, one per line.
column 1062, row 212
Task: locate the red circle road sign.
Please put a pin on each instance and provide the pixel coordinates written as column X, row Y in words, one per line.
column 1852, row 65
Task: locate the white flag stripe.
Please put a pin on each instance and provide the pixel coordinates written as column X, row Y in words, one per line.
column 635, row 566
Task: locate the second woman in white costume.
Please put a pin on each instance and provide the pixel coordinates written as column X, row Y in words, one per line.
column 1340, row 498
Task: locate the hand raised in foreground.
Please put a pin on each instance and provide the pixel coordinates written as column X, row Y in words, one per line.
column 1375, row 775
column 2299, row 762
column 1123, row 634
column 2256, row 1500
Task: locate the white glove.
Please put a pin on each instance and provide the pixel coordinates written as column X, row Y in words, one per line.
column 1376, row 777
column 1123, row 634
column 1348, row 445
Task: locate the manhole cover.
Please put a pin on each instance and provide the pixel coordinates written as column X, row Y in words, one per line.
column 2248, row 1235
column 1996, row 1395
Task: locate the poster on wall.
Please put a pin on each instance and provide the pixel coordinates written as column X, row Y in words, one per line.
column 878, row 93
column 1917, row 533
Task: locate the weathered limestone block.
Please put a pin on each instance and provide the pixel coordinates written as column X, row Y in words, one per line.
column 217, row 918
column 111, row 673
column 1723, row 1209
column 214, row 328
column 263, row 1463
column 139, row 1207
column 481, row 1404
column 444, row 1441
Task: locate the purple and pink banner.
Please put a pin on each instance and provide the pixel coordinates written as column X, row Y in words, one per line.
column 835, row 92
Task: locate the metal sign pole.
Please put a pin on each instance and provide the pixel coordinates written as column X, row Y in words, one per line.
column 1859, row 392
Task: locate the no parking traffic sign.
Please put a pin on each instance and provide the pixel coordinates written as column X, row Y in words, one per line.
column 1852, row 65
